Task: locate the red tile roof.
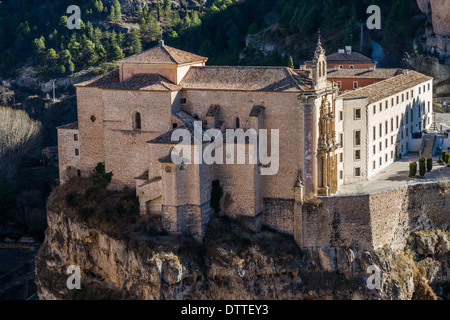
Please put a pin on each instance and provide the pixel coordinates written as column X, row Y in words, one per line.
column 163, row 54
column 145, row 82
column 379, row 73
column 383, row 89
column 247, row 79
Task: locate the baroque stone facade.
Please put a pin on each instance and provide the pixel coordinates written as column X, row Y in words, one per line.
column 127, row 119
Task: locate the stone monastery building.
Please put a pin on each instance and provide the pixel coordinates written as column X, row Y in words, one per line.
column 126, row 119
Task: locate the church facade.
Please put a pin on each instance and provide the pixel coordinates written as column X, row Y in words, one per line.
column 127, row 119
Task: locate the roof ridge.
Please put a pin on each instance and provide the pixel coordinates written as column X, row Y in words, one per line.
column 171, row 57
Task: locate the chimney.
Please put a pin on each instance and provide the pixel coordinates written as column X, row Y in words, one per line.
column 161, row 42
column 341, row 51
column 348, row 49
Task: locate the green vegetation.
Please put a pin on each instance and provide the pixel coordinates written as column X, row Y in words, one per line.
column 445, row 156
column 412, row 169
column 429, row 164
column 422, row 166
column 217, row 30
column 216, row 195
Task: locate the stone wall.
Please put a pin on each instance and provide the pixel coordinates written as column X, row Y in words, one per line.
column 369, row 221
column 279, row 214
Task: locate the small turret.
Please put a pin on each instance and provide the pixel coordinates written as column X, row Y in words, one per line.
column 319, row 66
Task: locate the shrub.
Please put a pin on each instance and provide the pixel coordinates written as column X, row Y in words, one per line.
column 412, row 169
column 216, row 195
column 445, row 156
column 311, row 202
column 422, row 166
column 100, row 174
column 429, row 164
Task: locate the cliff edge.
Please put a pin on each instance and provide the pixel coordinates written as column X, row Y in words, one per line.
column 125, row 256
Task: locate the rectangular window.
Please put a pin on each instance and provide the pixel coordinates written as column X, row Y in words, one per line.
column 392, row 124
column 419, row 90
column 381, row 107
column 412, row 115
column 183, row 100
column 397, row 122
column 374, row 109
column 386, row 127
column 357, row 114
column 374, row 165
column 357, row 141
column 392, row 140
column 392, row 102
column 374, row 133
column 386, row 104
column 77, row 152
column 75, row 137
column 339, row 83
column 374, row 149
column 341, row 139
column 428, row 87
column 357, row 172
column 397, row 100
column 355, row 84
column 428, row 106
column 381, row 161
column 392, row 155
column 341, row 174
column 357, row 154
column 341, row 115
column 407, row 95
column 412, row 93
column 381, row 146
column 407, row 132
column 386, row 144
column 341, row 157
column 386, row 158
column 381, row 130
column 403, row 97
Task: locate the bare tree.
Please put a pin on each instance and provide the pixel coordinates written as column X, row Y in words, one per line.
column 6, row 94
column 19, row 136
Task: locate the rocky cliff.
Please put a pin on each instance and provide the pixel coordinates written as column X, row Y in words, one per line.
column 438, row 11
column 232, row 263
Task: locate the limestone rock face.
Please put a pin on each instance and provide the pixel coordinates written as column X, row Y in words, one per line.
column 119, row 270
column 439, row 12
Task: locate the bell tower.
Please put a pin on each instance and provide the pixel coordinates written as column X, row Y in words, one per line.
column 319, row 66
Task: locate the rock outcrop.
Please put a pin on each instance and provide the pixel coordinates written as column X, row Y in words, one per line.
column 233, row 264
column 438, row 11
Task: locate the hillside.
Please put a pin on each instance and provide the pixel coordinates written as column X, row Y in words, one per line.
column 139, row 261
column 39, row 36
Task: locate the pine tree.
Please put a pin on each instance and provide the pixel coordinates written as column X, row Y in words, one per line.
column 118, row 10
column 135, row 42
column 117, row 53
column 112, row 13
column 291, row 63
column 70, row 66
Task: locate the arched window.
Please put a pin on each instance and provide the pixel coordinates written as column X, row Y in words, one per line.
column 237, row 123
column 324, row 72
column 320, row 69
column 136, row 121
